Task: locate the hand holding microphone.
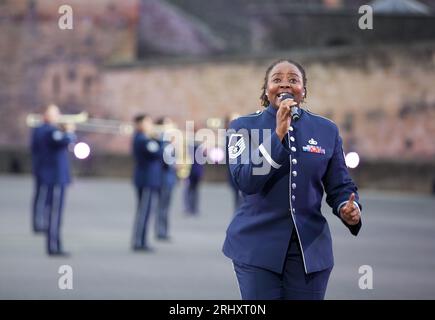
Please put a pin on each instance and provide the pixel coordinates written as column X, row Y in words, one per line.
column 294, row 112
column 287, row 110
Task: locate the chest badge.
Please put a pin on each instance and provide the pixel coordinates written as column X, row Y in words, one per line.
column 312, row 142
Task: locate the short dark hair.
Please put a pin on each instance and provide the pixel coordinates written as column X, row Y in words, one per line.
column 139, row 118
column 264, row 100
column 160, row 120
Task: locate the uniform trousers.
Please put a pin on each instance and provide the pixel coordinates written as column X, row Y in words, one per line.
column 292, row 283
column 144, row 195
column 53, row 212
column 162, row 221
column 191, row 196
column 39, row 221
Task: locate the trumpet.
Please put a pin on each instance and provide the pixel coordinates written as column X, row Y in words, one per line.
column 84, row 123
column 96, row 125
column 33, row 119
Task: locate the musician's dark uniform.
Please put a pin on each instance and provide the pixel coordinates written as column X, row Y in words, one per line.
column 169, row 180
column 39, row 224
column 147, row 179
column 52, row 172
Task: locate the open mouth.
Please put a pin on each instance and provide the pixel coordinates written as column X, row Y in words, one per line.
column 282, row 94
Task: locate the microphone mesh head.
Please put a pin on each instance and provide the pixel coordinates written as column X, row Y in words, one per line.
column 286, row 95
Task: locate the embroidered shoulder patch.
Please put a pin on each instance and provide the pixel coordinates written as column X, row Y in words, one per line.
column 57, row 135
column 152, row 146
column 236, row 145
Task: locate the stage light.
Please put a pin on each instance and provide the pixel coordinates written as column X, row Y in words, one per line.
column 216, row 154
column 82, row 150
column 352, row 160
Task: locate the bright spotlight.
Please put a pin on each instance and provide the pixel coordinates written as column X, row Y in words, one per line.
column 82, row 150
column 352, row 160
column 216, row 155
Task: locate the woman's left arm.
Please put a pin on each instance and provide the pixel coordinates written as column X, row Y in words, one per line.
column 341, row 191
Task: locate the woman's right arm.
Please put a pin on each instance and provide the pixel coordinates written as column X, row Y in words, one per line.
column 252, row 164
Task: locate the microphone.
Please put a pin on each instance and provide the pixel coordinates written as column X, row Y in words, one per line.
column 294, row 110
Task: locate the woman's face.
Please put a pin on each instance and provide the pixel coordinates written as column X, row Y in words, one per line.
column 284, row 77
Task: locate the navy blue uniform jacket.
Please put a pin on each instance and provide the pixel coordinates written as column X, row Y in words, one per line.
column 148, row 156
column 50, row 161
column 283, row 184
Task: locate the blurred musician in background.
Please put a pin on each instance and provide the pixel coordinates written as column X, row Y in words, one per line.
column 169, row 180
column 191, row 193
column 148, row 172
column 51, row 169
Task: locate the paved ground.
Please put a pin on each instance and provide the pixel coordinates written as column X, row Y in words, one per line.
column 397, row 241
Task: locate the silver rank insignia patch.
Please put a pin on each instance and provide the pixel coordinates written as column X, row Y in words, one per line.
column 236, row 145
column 312, row 142
column 152, row 146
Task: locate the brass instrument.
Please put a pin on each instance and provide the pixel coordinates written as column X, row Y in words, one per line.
column 83, row 123
column 33, row 119
column 106, row 126
column 86, row 124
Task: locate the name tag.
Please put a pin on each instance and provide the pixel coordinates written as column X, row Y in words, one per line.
column 313, row 149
